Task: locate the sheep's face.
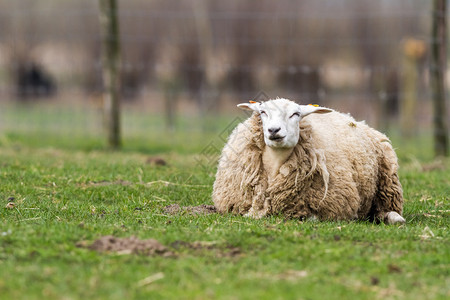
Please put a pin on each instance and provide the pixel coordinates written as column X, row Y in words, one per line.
column 280, row 120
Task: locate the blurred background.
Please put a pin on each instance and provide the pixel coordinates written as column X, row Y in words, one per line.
column 185, row 64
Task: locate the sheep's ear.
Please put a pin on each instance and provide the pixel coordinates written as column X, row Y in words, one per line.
column 249, row 106
column 313, row 109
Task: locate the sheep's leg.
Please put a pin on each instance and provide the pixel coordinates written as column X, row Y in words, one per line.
column 389, row 200
column 258, row 212
column 255, row 214
column 393, row 218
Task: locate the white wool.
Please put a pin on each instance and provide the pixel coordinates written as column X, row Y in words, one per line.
column 326, row 165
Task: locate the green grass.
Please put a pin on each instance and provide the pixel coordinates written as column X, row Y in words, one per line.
column 57, row 206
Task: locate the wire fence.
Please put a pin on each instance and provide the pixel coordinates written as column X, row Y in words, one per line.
column 183, row 60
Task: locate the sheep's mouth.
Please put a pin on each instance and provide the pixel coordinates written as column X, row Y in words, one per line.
column 276, row 138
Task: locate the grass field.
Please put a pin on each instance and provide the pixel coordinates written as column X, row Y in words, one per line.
column 72, row 192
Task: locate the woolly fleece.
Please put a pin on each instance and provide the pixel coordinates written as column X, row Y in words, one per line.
column 339, row 170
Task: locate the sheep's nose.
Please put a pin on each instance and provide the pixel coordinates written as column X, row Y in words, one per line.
column 274, row 130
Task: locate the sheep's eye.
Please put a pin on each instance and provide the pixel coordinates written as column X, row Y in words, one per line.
column 263, row 113
column 295, row 114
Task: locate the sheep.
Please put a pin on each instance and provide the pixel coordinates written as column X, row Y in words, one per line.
column 306, row 161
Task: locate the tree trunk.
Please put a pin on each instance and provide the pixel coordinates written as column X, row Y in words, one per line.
column 438, row 68
column 408, row 109
column 111, row 70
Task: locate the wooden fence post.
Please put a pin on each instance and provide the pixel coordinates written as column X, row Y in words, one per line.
column 111, row 70
column 438, row 69
column 413, row 53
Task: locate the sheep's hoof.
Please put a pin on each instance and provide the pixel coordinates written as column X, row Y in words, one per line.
column 255, row 214
column 312, row 218
column 394, row 218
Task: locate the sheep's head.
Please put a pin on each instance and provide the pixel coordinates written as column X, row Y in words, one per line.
column 280, row 119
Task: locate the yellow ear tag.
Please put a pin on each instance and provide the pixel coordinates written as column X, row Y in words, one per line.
column 315, row 105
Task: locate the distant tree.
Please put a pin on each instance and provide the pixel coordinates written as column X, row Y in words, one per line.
column 438, row 68
column 111, row 74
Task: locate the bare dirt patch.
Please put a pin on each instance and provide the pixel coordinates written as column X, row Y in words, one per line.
column 202, row 247
column 156, row 161
column 151, row 247
column 131, row 245
column 203, row 209
column 394, row 268
column 106, row 183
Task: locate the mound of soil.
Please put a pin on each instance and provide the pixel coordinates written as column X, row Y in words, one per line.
column 152, row 247
column 202, row 247
column 131, row 245
column 203, row 209
column 156, row 161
